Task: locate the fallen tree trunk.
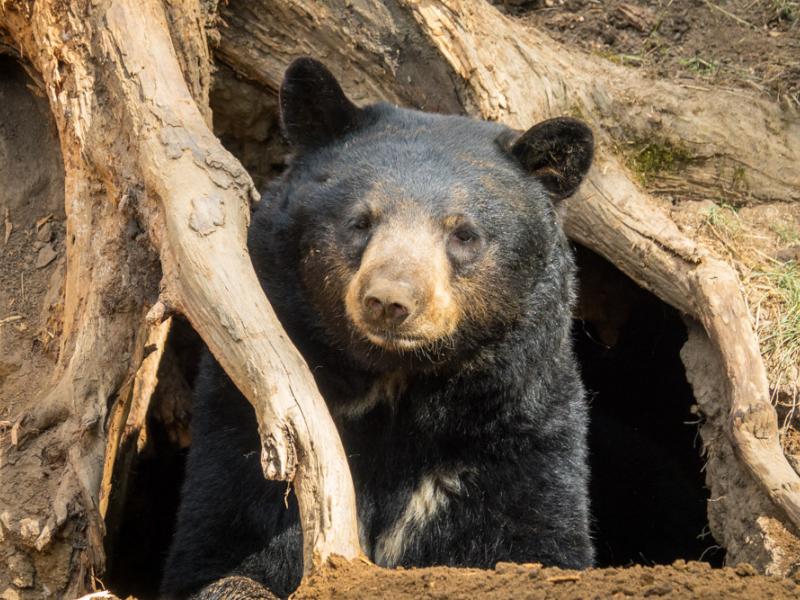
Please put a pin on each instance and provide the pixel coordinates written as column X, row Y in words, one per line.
column 128, row 86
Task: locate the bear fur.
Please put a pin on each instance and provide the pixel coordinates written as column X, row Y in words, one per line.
column 418, row 263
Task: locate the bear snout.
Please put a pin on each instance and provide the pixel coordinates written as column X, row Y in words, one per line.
column 387, row 303
column 400, row 297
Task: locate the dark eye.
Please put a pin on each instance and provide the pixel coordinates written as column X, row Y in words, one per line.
column 361, row 222
column 464, row 235
column 464, row 244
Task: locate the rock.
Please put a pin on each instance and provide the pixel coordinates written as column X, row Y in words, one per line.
column 21, row 570
column 45, row 232
column 46, row 255
column 662, row 589
column 29, row 529
column 791, row 253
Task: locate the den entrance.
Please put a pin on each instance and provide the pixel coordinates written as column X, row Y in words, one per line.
column 648, row 488
column 648, row 491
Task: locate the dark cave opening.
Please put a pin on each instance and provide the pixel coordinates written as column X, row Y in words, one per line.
column 142, row 509
column 647, row 489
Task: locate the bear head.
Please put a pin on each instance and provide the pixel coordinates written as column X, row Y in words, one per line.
column 414, row 237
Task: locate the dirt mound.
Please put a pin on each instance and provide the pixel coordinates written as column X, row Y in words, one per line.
column 754, row 45
column 679, row 580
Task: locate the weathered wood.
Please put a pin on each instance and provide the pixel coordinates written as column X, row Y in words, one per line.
column 127, row 428
column 134, row 130
column 203, row 195
column 506, row 72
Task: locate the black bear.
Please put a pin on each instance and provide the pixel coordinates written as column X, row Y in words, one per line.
column 418, row 263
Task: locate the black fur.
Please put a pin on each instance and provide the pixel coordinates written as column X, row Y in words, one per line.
column 499, row 407
column 558, row 152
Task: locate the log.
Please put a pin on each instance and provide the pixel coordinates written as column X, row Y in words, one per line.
column 501, row 70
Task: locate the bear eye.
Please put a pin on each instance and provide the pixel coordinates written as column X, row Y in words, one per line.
column 361, row 222
column 464, row 235
column 464, row 244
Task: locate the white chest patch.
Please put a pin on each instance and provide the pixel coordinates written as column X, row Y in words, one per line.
column 433, row 493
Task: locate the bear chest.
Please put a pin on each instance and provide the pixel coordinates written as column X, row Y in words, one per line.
column 404, row 478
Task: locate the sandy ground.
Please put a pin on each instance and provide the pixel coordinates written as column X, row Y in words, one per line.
column 679, row 580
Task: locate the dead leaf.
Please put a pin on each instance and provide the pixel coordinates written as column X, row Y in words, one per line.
column 15, row 434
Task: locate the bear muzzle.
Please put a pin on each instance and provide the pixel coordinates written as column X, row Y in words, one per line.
column 389, row 311
column 388, row 304
column 401, row 313
column 400, row 296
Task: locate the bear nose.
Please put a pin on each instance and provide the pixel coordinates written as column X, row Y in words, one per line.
column 388, row 303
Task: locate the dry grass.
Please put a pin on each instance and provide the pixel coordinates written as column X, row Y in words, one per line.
column 781, row 340
column 772, row 290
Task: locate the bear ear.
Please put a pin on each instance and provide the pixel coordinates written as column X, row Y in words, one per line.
column 558, row 152
column 314, row 109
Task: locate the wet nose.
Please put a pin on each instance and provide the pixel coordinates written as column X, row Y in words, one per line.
column 388, row 303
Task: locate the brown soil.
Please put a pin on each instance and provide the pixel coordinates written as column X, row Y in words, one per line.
column 739, row 43
column 32, row 231
column 679, row 580
column 31, row 241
